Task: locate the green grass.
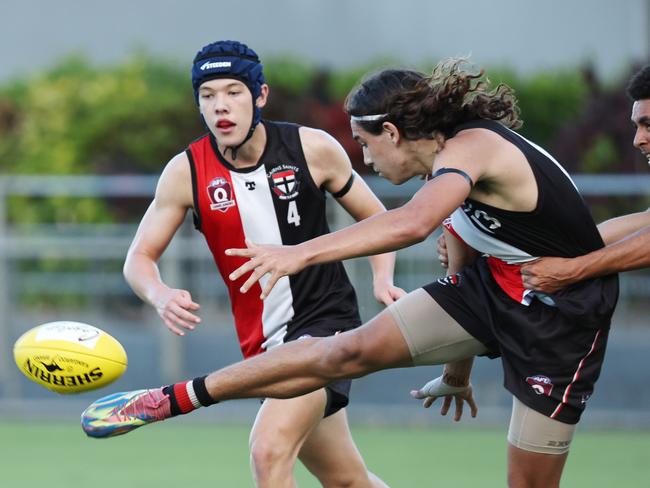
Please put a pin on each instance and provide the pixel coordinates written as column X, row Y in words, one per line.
column 57, row 455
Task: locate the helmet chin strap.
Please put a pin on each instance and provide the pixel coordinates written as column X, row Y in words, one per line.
column 234, row 149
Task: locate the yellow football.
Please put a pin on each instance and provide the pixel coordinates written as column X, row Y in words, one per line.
column 69, row 357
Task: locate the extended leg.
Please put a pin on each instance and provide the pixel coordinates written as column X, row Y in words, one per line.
column 302, row 366
column 396, row 337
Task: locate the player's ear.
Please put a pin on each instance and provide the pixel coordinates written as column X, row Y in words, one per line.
column 264, row 95
column 391, row 131
column 439, row 137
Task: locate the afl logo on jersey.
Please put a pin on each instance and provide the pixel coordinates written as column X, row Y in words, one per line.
column 285, row 183
column 220, row 194
column 542, row 385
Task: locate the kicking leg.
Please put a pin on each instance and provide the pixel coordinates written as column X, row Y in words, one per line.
column 302, row 366
column 394, row 338
column 288, row 371
column 415, row 330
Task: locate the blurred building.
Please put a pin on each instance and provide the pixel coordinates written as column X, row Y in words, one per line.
column 528, row 36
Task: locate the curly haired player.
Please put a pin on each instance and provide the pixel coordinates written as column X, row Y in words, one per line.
column 508, row 202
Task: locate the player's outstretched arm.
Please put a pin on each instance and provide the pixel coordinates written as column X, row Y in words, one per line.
column 387, row 231
column 361, row 203
column 331, row 168
column 156, row 230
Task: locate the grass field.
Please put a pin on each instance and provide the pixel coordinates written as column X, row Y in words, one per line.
column 58, row 455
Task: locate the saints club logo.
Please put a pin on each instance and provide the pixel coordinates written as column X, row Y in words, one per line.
column 450, row 280
column 285, row 182
column 220, row 194
column 542, row 385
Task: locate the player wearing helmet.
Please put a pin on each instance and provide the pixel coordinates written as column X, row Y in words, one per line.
column 249, row 178
column 507, row 199
column 231, row 60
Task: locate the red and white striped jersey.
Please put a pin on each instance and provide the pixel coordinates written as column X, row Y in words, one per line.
column 274, row 202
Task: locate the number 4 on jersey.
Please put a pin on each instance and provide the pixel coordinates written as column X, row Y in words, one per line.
column 293, row 217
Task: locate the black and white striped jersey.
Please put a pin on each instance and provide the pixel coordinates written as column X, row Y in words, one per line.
column 560, row 225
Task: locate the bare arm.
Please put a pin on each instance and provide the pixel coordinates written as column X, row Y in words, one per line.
column 387, row 231
column 459, row 254
column 331, row 168
column 441, row 247
column 156, row 230
column 552, row 274
column 627, row 240
column 361, row 204
column 632, row 252
column 613, row 230
column 454, row 384
column 458, row 372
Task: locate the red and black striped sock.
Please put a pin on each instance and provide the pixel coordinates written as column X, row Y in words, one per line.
column 188, row 396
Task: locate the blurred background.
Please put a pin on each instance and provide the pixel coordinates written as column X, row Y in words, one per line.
column 95, row 98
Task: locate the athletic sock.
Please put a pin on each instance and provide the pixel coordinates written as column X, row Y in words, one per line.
column 188, row 396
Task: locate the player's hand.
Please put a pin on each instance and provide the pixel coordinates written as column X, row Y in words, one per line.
column 437, row 388
column 276, row 261
column 175, row 308
column 443, row 256
column 387, row 293
column 548, row 275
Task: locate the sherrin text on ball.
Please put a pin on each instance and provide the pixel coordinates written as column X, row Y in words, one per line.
column 69, row 357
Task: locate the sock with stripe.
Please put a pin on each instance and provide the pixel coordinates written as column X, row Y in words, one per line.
column 188, row 396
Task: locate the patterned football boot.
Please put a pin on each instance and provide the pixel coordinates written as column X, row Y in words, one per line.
column 120, row 413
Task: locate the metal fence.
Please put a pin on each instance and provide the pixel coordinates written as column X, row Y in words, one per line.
column 72, row 271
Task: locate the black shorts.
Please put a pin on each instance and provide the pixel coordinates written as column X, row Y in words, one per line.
column 338, row 392
column 551, row 358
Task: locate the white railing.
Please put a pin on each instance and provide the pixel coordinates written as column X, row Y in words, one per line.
column 186, row 263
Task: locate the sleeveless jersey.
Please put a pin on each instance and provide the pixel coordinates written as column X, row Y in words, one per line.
column 274, row 202
column 560, row 225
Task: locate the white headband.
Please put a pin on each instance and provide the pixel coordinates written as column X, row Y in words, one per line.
column 367, row 118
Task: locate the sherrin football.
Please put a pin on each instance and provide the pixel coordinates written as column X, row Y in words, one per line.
column 69, row 357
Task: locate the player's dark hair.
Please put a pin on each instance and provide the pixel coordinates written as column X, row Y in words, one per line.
column 639, row 86
column 421, row 106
